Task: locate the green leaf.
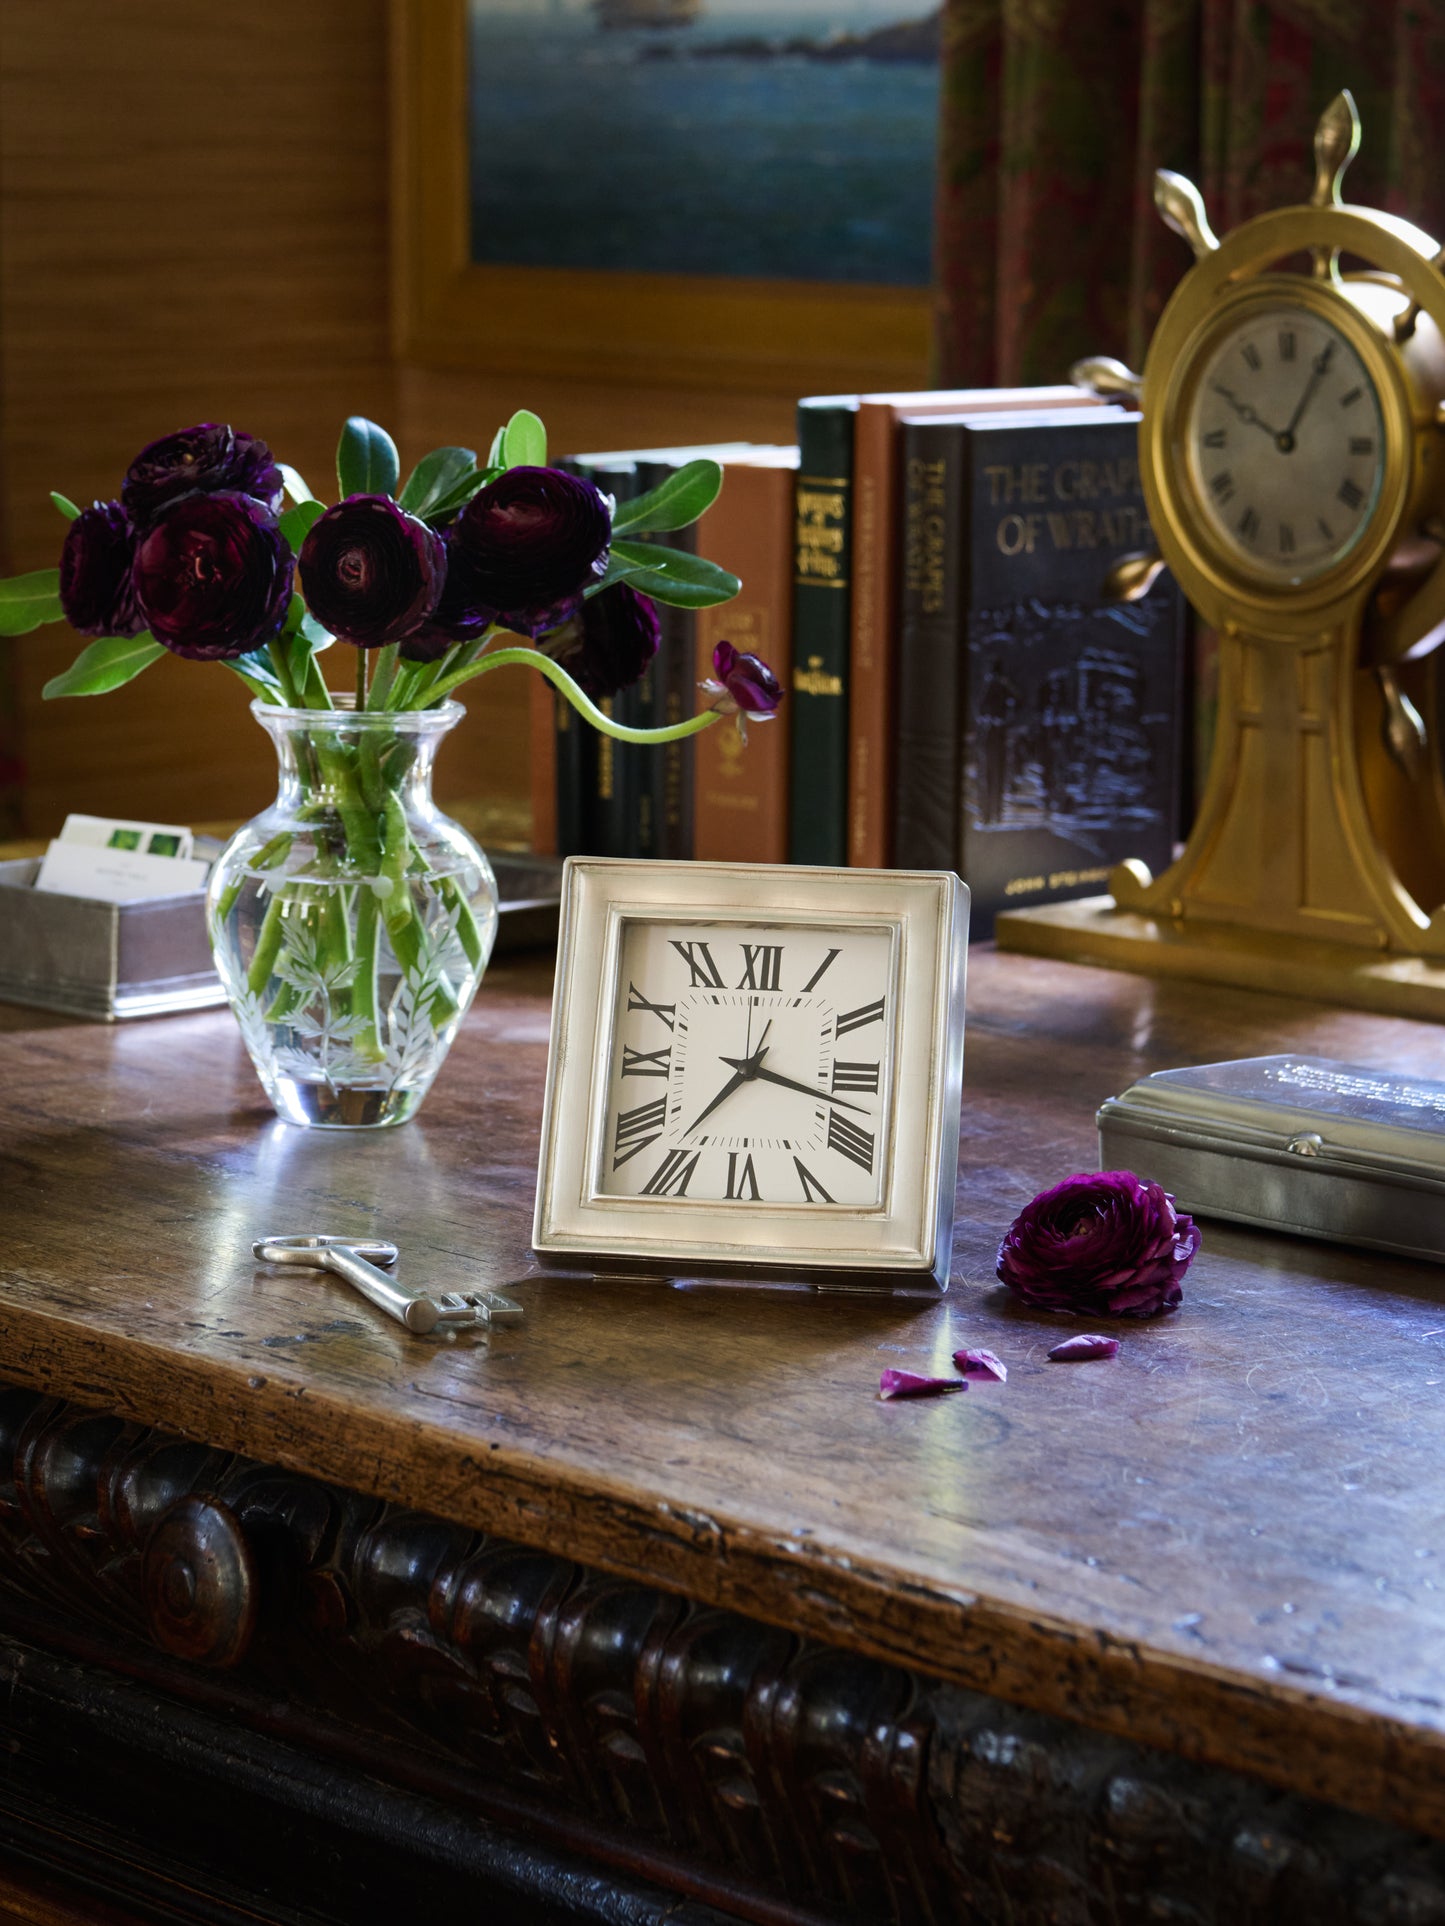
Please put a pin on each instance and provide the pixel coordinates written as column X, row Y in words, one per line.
column 496, row 453
column 259, row 676
column 295, row 487
column 434, row 477
column 105, row 665
column 524, row 441
column 28, row 601
column 66, row 506
column 674, row 503
column 320, row 638
column 460, row 495
column 296, row 522
column 366, row 459
column 668, row 575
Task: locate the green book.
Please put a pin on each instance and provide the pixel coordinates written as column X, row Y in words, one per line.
column 822, row 573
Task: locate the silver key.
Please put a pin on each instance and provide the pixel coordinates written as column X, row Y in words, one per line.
column 419, row 1311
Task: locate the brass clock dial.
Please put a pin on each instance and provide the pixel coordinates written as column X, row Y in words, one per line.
column 1284, row 442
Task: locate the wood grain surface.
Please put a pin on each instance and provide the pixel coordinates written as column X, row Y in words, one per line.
column 1225, row 1542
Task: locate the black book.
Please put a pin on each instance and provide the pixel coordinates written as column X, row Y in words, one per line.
column 1069, row 726
column 817, row 707
column 667, row 785
column 598, row 776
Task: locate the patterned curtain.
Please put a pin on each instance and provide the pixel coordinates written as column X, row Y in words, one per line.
column 1057, row 112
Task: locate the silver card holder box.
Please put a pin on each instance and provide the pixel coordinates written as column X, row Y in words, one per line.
column 1299, row 1144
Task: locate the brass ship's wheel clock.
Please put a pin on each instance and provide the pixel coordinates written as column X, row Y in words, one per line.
column 1293, row 464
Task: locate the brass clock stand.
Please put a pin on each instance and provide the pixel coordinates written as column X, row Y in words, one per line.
column 1317, row 863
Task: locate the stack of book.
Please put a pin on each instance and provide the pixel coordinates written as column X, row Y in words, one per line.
column 926, row 574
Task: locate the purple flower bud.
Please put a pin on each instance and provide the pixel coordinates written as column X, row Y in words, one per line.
column 95, row 565
column 747, row 688
column 462, row 612
column 371, row 573
column 1078, row 1350
column 909, row 1384
column 1110, row 1245
column 213, row 576
column 536, row 538
column 613, row 642
column 208, row 458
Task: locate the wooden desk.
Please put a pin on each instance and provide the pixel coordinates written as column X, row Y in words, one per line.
column 1135, row 1635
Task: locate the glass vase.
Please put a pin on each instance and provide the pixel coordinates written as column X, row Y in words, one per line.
column 351, row 921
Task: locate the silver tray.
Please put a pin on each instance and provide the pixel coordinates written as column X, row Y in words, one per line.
column 1300, row 1144
column 114, row 961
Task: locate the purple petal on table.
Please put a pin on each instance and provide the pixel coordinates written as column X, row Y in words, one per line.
column 980, row 1364
column 1075, row 1349
column 908, row 1384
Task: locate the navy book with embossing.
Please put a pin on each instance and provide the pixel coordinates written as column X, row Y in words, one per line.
column 1065, row 704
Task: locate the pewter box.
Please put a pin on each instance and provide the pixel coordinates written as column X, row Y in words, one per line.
column 1298, row 1144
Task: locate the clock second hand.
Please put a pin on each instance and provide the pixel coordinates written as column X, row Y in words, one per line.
column 744, row 1070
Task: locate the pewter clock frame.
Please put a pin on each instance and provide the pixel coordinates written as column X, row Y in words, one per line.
column 751, row 1147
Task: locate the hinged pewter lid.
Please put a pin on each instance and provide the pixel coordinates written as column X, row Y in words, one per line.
column 1340, row 1114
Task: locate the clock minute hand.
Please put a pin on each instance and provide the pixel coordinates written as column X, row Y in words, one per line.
column 1317, row 374
column 772, row 1076
column 739, row 1078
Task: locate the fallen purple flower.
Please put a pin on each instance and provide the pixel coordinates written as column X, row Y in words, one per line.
column 981, row 1364
column 1075, row 1349
column 908, row 1384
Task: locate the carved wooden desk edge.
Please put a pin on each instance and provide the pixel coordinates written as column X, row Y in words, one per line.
column 719, row 1754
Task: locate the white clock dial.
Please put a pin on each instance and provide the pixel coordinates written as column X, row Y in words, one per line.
column 1285, row 444
column 751, row 1066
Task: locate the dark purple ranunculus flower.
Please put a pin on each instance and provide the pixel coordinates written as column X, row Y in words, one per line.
column 462, row 612
column 213, row 576
column 95, row 565
column 608, row 648
column 744, row 687
column 536, row 538
column 208, row 458
column 371, row 573
column 1110, row 1244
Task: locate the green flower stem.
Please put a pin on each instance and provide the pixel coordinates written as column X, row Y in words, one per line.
column 384, row 676
column 544, row 665
column 276, row 649
column 363, row 984
column 318, row 696
column 268, row 946
column 361, row 668
column 468, row 934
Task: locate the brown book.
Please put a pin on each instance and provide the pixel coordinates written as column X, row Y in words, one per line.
column 542, row 746
column 741, row 795
column 877, row 495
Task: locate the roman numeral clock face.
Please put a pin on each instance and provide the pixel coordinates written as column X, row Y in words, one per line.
column 1284, row 443
column 752, row 1067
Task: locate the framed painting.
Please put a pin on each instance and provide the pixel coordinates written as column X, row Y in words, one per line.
column 712, row 193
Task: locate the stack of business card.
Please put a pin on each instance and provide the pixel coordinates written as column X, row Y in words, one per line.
column 111, row 860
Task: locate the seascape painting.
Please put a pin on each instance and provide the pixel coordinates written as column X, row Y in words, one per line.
column 705, row 137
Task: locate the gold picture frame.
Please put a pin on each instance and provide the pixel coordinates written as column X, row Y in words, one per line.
column 786, row 337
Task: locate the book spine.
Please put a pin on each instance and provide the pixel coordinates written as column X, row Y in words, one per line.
column 926, row 783
column 576, row 758
column 742, row 790
column 609, row 808
column 665, row 787
column 542, row 764
column 871, row 650
column 822, row 557
column 676, row 762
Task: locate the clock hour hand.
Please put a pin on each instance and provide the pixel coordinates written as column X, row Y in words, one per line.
column 1246, row 414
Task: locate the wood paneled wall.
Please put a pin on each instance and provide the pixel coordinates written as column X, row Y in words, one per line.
column 194, row 226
